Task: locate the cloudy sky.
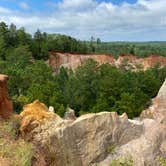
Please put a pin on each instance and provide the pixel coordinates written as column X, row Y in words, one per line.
column 110, row 20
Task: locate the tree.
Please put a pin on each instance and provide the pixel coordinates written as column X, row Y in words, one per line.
column 12, row 35
column 39, row 47
column 92, row 47
column 3, row 40
column 132, row 50
column 23, row 37
column 3, row 29
column 98, row 41
column 125, row 104
column 37, row 44
column 2, row 48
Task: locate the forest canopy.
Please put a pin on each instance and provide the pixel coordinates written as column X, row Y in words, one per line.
column 40, row 43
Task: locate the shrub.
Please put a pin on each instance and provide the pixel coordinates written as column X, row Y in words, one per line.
column 14, row 151
column 122, row 162
column 9, row 129
column 19, row 152
column 111, row 149
column 162, row 161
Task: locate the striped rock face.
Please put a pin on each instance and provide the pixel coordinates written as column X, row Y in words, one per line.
column 6, row 107
column 72, row 61
column 129, row 62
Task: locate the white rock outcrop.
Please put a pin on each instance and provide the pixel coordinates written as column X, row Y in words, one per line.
column 98, row 139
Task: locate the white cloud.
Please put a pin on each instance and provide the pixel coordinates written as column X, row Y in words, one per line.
column 4, row 10
column 24, row 5
column 77, row 5
column 144, row 20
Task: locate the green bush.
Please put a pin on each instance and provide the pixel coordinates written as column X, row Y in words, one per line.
column 111, row 149
column 122, row 162
column 162, row 161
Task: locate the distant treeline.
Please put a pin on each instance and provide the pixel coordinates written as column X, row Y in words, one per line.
column 41, row 43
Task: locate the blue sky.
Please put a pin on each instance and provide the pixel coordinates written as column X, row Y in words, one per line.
column 110, row 20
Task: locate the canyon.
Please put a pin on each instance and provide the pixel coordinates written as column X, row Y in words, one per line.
column 72, row 61
column 97, row 138
column 91, row 139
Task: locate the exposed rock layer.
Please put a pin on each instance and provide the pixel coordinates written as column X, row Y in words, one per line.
column 34, row 115
column 157, row 110
column 99, row 138
column 6, row 106
column 57, row 60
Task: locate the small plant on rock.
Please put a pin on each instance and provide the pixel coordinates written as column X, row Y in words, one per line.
column 122, row 162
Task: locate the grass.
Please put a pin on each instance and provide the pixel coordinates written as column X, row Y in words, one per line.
column 15, row 151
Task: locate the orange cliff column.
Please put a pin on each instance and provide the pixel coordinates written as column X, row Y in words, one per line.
column 6, row 106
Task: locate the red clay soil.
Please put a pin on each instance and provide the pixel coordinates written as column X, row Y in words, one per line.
column 153, row 60
column 71, row 60
column 6, row 107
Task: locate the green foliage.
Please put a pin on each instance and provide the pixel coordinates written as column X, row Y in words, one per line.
column 90, row 88
column 140, row 49
column 41, row 43
column 162, row 161
column 125, row 104
column 122, row 162
column 94, row 89
column 63, row 43
column 111, row 149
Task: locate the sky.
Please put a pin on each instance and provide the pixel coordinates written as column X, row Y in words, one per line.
column 109, row 20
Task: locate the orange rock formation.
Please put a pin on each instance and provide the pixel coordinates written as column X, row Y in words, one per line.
column 6, row 107
column 32, row 115
column 68, row 60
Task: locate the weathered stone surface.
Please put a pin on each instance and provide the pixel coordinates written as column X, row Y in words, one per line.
column 70, row 114
column 144, row 150
column 85, row 140
column 97, row 138
column 157, row 110
column 6, row 107
column 32, row 116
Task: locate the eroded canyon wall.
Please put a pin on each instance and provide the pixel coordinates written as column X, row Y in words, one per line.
column 68, row 60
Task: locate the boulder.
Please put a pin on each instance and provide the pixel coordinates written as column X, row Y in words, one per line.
column 70, row 114
column 85, row 140
column 144, row 150
column 32, row 116
column 6, row 107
